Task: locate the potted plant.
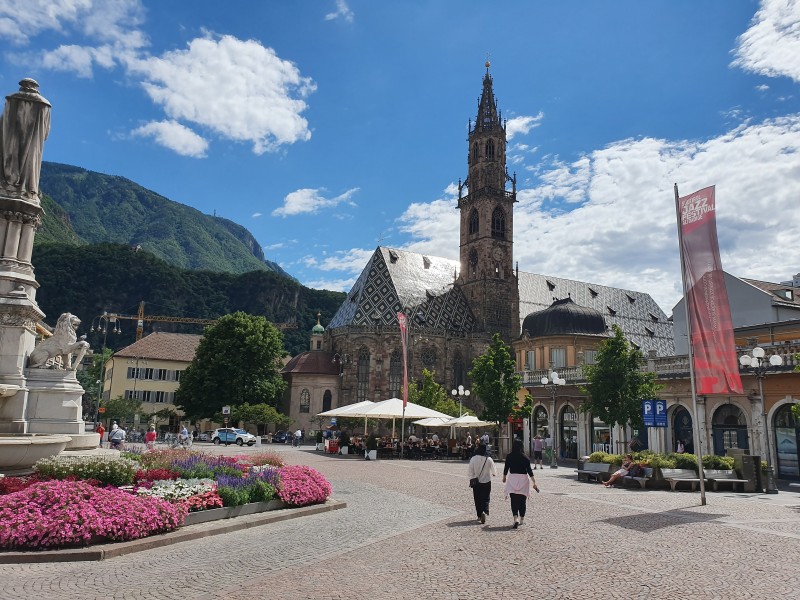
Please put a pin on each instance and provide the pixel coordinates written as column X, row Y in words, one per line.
column 344, row 443
column 371, row 453
column 320, row 441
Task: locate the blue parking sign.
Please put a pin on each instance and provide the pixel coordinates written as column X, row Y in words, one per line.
column 654, row 413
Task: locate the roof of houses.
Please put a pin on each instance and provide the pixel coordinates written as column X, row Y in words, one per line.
column 316, row 362
column 159, row 345
column 783, row 294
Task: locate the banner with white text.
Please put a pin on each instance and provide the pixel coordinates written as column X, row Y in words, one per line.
column 710, row 326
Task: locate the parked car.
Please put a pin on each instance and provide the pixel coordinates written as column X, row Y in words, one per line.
column 206, row 436
column 231, row 435
column 280, row 437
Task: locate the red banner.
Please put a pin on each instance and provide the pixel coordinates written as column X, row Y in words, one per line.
column 710, row 326
column 403, row 321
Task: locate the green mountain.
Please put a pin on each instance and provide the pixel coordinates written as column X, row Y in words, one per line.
column 87, row 280
column 84, row 207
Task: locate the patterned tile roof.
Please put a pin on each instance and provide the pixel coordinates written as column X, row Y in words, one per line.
column 163, row 346
column 397, row 280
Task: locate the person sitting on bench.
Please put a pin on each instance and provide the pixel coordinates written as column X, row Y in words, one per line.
column 621, row 472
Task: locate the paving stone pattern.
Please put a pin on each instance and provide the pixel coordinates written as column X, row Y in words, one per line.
column 409, row 531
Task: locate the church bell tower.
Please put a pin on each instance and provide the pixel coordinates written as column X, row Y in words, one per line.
column 487, row 275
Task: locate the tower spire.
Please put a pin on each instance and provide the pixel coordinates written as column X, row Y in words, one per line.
column 487, row 107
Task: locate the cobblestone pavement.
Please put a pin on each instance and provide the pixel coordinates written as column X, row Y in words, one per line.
column 409, row 531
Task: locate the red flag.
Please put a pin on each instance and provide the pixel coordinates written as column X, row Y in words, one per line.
column 403, row 321
column 710, row 326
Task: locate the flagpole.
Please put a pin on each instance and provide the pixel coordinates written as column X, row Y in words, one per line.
column 696, row 421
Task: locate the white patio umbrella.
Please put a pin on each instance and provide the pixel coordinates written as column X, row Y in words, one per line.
column 432, row 422
column 348, row 410
column 393, row 409
column 467, row 421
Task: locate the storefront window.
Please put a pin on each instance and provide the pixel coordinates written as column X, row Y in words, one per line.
column 601, row 436
column 787, row 441
column 568, row 442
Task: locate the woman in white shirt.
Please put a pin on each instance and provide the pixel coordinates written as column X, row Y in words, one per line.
column 481, row 467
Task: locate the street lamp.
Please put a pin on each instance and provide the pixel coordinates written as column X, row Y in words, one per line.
column 552, row 382
column 461, row 393
column 759, row 367
column 103, row 322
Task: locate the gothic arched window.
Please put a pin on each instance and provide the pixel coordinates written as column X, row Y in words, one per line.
column 362, row 393
column 326, row 400
column 474, row 221
column 473, row 262
column 490, row 149
column 395, row 374
column 475, row 152
column 499, row 223
column 305, row 401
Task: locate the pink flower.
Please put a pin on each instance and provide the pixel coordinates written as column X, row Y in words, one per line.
column 300, row 485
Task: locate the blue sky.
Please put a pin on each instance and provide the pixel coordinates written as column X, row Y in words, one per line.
column 326, row 126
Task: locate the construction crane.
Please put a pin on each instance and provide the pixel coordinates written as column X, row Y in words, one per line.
column 140, row 319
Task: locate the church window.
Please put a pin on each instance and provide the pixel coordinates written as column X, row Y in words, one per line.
column 395, row 374
column 499, row 223
column 490, row 149
column 362, row 392
column 473, row 262
column 458, row 370
column 326, row 400
column 475, row 152
column 305, row 401
column 429, row 356
column 474, row 222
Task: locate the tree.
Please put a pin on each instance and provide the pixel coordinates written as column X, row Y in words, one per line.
column 259, row 415
column 616, row 383
column 495, row 380
column 90, row 379
column 523, row 411
column 121, row 409
column 431, row 395
column 237, row 361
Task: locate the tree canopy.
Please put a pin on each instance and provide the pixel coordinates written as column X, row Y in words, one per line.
column 431, row 395
column 495, row 380
column 237, row 362
column 260, row 415
column 121, row 409
column 616, row 383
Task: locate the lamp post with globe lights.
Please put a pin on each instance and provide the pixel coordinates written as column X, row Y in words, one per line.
column 551, row 383
column 759, row 365
column 461, row 393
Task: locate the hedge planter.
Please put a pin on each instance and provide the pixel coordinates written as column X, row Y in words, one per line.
column 228, row 512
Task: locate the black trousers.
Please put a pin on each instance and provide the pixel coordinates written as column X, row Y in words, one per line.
column 518, row 504
column 481, row 493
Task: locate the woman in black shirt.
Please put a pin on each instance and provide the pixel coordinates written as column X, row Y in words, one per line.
column 518, row 477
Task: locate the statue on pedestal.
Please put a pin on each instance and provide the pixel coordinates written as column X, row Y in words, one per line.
column 64, row 343
column 24, row 127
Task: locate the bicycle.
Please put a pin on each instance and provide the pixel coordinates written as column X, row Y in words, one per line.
column 178, row 441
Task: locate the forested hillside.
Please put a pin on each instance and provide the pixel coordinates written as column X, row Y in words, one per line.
column 89, row 279
column 88, row 207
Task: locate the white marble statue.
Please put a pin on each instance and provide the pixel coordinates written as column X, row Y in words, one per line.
column 64, row 343
column 24, row 127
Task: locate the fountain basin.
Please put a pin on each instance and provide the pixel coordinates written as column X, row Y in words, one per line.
column 21, row 451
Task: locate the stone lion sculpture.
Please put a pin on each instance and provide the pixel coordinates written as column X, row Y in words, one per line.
column 64, row 343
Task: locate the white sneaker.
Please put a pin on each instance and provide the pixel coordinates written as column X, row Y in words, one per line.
column 483, row 518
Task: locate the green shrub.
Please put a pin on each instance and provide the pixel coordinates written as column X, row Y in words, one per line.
column 598, row 457
column 684, row 460
column 233, row 496
column 261, row 491
column 717, row 462
column 657, row 461
column 111, row 471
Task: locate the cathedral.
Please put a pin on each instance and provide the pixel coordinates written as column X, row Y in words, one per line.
column 454, row 308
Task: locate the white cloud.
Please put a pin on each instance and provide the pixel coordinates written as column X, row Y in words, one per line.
column 311, row 201
column 771, row 46
column 241, row 90
column 174, row 136
column 349, row 261
column 336, row 285
column 22, row 19
column 275, row 246
column 762, row 88
column 255, row 215
column 609, row 217
column 342, row 12
column 522, row 125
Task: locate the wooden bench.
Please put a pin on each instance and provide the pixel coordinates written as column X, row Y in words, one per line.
column 724, row 476
column 676, row 476
column 642, row 481
column 598, row 471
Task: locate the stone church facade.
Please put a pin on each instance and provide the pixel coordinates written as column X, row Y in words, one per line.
column 454, row 307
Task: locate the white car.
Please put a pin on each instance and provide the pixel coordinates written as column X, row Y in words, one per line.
column 231, row 435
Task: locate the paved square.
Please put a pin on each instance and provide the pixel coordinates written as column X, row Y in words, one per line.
column 409, row 532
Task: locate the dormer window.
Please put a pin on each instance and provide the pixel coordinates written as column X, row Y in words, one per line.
column 611, row 311
column 653, row 318
column 426, row 262
column 393, row 256
column 631, row 299
column 650, row 332
column 551, row 286
column 593, row 293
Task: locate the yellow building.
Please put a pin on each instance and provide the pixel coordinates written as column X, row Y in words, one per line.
column 150, row 370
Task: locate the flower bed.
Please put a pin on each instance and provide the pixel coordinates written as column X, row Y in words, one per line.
column 87, row 500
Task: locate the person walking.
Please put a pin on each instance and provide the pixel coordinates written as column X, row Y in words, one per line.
column 518, row 479
column 150, row 438
column 538, row 445
column 101, row 430
column 481, row 468
column 116, row 437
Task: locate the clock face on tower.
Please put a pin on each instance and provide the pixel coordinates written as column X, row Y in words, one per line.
column 497, row 253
